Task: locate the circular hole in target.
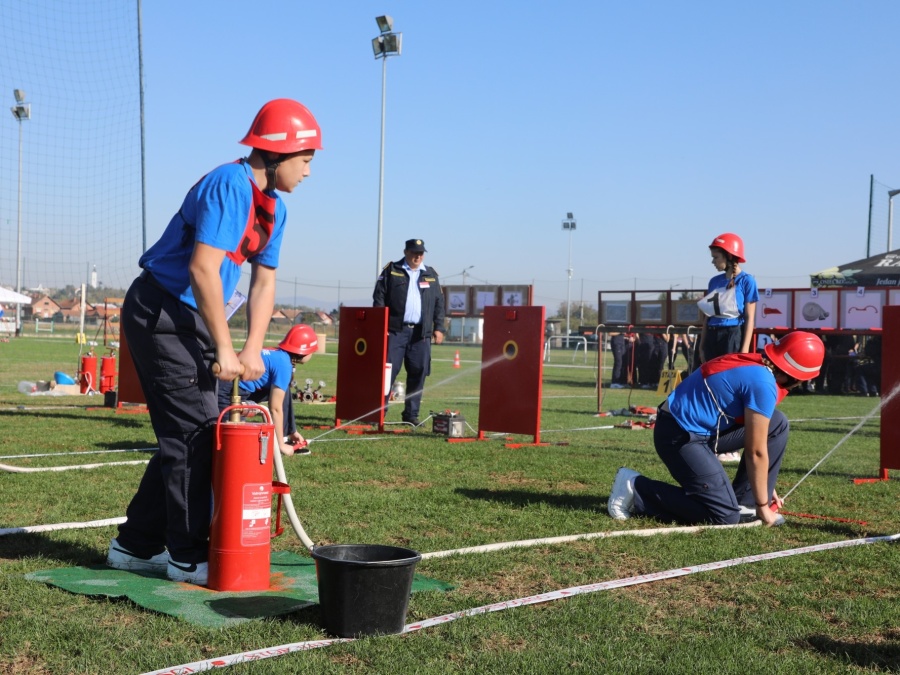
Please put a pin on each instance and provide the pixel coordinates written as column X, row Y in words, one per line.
column 510, row 350
column 360, row 346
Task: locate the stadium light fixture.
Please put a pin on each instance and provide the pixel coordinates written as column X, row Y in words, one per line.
column 385, row 45
column 21, row 111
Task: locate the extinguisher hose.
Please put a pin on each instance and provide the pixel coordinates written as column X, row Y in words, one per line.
column 279, row 473
column 289, row 504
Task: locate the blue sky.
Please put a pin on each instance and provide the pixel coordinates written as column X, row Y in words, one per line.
column 658, row 124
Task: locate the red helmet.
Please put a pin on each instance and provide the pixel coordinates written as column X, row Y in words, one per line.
column 284, row 126
column 799, row 354
column 300, row 340
column 732, row 244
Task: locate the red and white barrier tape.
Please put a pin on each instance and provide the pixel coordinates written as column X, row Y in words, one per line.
column 280, row 650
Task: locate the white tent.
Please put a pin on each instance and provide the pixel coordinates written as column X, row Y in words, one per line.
column 9, row 297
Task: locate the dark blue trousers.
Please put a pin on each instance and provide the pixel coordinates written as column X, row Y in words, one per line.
column 704, row 494
column 721, row 341
column 172, row 354
column 409, row 349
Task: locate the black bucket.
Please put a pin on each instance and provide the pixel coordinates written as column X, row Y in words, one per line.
column 364, row 588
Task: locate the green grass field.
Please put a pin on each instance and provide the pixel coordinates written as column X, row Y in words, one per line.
column 832, row 611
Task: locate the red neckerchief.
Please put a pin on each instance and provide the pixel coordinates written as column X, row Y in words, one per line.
column 259, row 227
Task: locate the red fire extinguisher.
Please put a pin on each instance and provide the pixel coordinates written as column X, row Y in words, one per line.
column 108, row 372
column 87, row 377
column 240, row 531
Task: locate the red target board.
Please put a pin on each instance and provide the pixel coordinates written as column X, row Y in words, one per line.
column 512, row 367
column 890, row 380
column 129, row 390
column 362, row 352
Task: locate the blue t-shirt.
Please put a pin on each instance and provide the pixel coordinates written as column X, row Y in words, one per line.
column 214, row 212
column 278, row 372
column 745, row 292
column 747, row 386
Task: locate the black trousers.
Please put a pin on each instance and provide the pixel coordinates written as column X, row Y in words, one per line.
column 172, row 353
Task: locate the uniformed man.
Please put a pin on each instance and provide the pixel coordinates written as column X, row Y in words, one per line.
column 412, row 293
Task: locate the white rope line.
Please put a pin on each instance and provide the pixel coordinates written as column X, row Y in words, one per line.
column 280, row 650
column 62, row 526
column 576, row 537
column 80, row 452
column 22, row 469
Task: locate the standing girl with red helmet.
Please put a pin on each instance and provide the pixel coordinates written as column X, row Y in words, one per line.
column 730, row 303
column 725, row 405
column 174, row 319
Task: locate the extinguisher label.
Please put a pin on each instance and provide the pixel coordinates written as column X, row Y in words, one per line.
column 257, row 509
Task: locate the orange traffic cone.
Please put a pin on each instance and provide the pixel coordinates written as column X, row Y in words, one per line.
column 456, row 360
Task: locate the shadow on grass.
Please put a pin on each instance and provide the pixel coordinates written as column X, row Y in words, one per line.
column 36, row 545
column 117, row 421
column 522, row 498
column 880, row 655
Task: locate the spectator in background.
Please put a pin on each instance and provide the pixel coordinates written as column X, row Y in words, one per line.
column 869, row 372
column 652, row 351
column 412, row 293
column 619, row 344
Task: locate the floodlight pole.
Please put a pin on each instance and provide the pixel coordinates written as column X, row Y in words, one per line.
column 891, row 195
column 386, row 44
column 569, row 224
column 462, row 333
column 21, row 111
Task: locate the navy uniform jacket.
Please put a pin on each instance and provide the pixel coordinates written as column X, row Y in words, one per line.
column 391, row 289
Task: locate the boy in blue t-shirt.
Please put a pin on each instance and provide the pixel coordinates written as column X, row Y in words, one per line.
column 174, row 319
column 274, row 386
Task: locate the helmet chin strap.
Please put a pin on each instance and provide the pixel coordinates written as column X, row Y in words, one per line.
column 270, row 175
column 271, row 166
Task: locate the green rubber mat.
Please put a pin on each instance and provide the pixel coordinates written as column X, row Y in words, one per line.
column 293, row 587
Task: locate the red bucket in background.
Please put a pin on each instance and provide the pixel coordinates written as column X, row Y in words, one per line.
column 107, row 373
column 87, row 377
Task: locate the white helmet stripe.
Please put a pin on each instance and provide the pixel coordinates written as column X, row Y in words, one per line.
column 275, row 137
column 794, row 364
column 307, row 133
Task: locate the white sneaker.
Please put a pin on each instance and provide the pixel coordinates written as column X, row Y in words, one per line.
column 729, row 457
column 621, row 497
column 189, row 573
column 120, row 558
column 748, row 515
column 616, row 385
